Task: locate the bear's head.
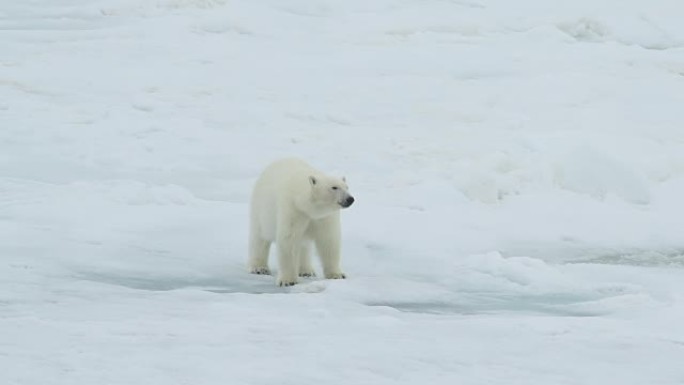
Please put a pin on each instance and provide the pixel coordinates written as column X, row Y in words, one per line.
column 329, row 193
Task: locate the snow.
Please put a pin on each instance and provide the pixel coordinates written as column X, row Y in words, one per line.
column 518, row 169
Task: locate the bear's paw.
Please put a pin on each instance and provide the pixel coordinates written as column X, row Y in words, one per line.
column 261, row 270
column 336, row 275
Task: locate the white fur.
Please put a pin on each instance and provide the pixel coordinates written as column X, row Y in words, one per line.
column 295, row 205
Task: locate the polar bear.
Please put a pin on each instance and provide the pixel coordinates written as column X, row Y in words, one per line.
column 295, row 205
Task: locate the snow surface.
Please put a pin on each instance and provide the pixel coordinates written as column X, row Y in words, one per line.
column 518, row 168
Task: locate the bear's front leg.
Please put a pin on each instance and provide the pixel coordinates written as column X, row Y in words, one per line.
column 305, row 268
column 290, row 243
column 327, row 238
column 287, row 265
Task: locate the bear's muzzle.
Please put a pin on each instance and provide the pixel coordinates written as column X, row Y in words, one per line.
column 347, row 202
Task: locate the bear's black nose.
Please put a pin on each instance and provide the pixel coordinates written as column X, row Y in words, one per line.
column 349, row 201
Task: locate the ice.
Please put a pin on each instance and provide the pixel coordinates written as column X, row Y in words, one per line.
column 518, row 169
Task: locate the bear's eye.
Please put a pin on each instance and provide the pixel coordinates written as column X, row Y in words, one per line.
column 334, row 187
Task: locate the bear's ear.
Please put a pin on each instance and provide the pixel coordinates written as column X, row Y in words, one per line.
column 344, row 179
column 312, row 179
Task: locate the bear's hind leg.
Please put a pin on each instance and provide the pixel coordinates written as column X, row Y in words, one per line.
column 258, row 255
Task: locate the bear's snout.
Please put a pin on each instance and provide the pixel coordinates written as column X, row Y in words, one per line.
column 347, row 202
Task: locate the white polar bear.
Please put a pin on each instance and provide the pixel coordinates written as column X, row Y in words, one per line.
column 293, row 205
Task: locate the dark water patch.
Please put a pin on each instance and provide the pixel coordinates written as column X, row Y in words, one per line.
column 646, row 258
column 557, row 304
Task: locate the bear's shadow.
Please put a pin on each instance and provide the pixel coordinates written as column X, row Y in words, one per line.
column 249, row 284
